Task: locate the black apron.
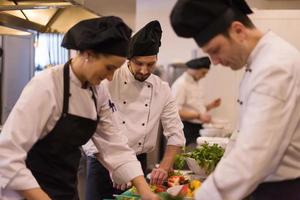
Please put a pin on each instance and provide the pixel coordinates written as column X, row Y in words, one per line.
column 280, row 190
column 191, row 132
column 54, row 159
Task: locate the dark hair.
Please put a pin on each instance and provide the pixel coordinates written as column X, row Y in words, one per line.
column 244, row 19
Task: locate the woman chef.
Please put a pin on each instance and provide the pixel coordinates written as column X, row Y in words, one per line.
column 57, row 113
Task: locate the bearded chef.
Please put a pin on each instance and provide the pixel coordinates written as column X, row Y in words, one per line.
column 142, row 101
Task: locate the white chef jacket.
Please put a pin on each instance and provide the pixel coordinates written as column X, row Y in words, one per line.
column 267, row 144
column 189, row 94
column 35, row 115
column 141, row 106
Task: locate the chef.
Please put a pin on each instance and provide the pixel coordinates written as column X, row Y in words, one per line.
column 59, row 110
column 263, row 160
column 188, row 90
column 142, row 100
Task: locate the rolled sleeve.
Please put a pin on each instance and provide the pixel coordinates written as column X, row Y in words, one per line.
column 24, row 181
column 114, row 152
column 178, row 91
column 171, row 122
column 127, row 172
column 21, row 130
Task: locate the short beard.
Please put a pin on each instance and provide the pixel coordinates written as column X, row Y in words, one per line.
column 140, row 79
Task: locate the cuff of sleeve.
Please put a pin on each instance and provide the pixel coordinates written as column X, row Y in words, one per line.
column 176, row 141
column 208, row 190
column 127, row 172
column 3, row 181
column 10, row 195
column 23, row 180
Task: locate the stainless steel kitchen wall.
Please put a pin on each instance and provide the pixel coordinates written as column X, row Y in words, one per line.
column 16, row 70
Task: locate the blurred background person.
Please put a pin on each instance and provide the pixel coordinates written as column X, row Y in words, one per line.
column 188, row 90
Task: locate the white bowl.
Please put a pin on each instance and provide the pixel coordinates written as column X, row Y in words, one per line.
column 211, row 132
column 218, row 123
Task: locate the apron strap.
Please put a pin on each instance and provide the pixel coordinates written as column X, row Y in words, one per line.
column 95, row 101
column 66, row 88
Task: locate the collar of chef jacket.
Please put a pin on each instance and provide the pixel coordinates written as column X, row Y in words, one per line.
column 257, row 48
column 74, row 78
column 130, row 78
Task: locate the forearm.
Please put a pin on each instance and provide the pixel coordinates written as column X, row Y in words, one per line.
column 188, row 115
column 34, row 194
column 169, row 157
column 141, row 185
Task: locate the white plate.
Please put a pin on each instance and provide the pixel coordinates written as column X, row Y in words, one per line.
column 213, row 140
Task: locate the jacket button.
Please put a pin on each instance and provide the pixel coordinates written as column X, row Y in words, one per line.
column 124, row 102
column 123, row 122
column 125, row 82
column 140, row 143
column 143, row 124
column 149, row 86
column 146, row 105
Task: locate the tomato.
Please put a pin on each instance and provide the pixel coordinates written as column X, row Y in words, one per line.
column 184, row 190
column 160, row 188
column 175, row 180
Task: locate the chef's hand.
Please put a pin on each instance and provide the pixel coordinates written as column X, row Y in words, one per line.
column 205, row 117
column 158, row 176
column 144, row 189
column 123, row 186
column 216, row 102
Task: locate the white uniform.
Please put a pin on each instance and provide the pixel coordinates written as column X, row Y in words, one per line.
column 141, row 106
column 189, row 94
column 34, row 116
column 267, row 144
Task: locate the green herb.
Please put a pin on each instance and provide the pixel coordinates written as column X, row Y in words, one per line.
column 207, row 156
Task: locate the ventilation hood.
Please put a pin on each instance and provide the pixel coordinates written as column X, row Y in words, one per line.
column 21, row 17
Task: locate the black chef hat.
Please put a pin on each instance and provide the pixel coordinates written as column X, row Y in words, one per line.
column 104, row 35
column 199, row 63
column 204, row 19
column 146, row 42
